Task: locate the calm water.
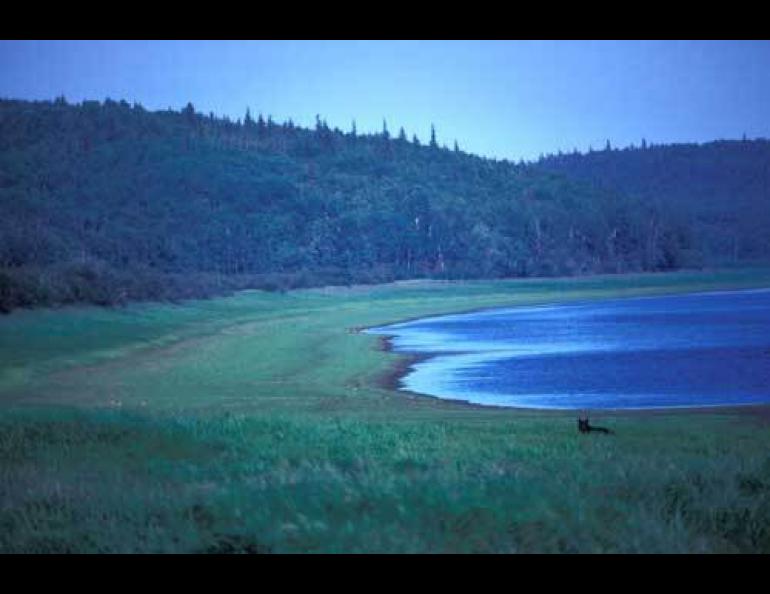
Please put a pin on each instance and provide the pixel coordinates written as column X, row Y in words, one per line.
column 700, row 349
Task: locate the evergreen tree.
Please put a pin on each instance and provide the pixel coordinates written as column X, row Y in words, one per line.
column 188, row 112
column 433, row 143
column 248, row 122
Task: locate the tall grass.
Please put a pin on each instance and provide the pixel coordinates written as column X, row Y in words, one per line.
column 121, row 482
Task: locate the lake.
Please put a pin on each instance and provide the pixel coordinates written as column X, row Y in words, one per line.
column 700, row 349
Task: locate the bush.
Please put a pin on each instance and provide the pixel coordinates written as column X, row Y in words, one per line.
column 20, row 288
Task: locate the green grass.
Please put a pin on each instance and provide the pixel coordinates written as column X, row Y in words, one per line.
column 255, row 423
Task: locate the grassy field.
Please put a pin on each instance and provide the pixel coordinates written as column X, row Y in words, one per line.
column 260, row 423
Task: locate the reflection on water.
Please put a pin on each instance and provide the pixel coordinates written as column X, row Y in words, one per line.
column 700, row 349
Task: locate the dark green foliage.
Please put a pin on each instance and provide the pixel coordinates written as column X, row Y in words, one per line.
column 104, row 202
column 714, row 197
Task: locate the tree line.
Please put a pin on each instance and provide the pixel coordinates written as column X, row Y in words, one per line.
column 718, row 191
column 105, row 202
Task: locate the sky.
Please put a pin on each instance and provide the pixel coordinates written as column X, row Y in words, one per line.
column 502, row 99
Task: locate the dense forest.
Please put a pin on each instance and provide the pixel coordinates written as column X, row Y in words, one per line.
column 104, row 202
column 719, row 191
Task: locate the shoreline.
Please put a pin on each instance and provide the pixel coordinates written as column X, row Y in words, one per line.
column 391, row 379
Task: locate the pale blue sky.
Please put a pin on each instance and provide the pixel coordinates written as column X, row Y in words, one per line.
column 506, row 99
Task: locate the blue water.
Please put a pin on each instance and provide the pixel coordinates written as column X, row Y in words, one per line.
column 704, row 349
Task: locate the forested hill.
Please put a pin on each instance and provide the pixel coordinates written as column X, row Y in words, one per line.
column 104, row 202
column 720, row 191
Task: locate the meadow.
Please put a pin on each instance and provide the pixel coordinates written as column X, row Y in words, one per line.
column 266, row 423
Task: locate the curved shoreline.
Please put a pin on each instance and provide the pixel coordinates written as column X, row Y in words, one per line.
column 391, row 380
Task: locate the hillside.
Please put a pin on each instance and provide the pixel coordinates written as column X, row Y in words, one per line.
column 108, row 202
column 720, row 191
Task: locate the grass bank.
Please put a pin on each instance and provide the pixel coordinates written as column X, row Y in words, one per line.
column 257, row 423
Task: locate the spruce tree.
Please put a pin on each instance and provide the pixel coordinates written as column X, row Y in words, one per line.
column 247, row 120
column 188, row 111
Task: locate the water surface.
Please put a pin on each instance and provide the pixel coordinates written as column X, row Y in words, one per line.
column 703, row 349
